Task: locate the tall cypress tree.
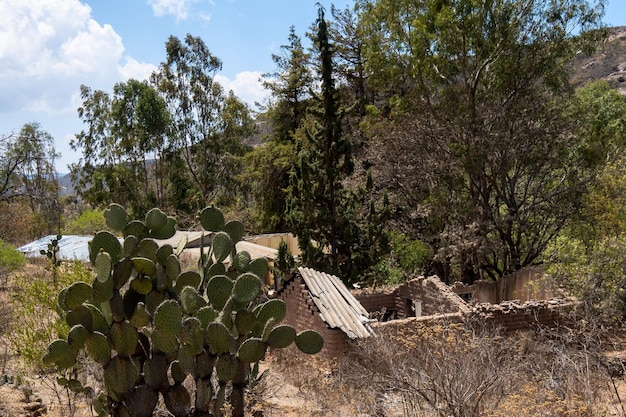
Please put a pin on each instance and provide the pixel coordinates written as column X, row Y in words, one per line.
column 322, row 212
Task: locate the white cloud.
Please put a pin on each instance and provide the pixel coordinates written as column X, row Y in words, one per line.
column 48, row 48
column 246, row 85
column 176, row 8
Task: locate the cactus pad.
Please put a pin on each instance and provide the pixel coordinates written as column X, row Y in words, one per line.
column 135, row 228
column 235, row 230
column 247, row 288
column 121, row 273
column 191, row 336
column 245, row 321
column 191, row 301
column 80, row 315
column 274, row 309
column 148, row 249
column 164, row 342
column 281, row 336
column 106, row 242
column 188, row 278
column 124, row 338
column 212, row 219
column 177, row 400
column 140, row 317
column 221, row 246
column 77, row 336
column 100, row 323
column 60, row 353
column 172, row 267
column 204, row 364
column 142, row 401
column 216, row 269
column 177, row 373
column 242, row 261
column 130, row 245
column 226, row 367
column 155, row 371
column 166, row 232
column 116, row 217
column 156, row 219
column 206, row 315
column 154, row 299
column 309, row 341
column 218, row 338
column 141, row 284
column 98, row 348
column 102, row 290
column 218, row 290
column 163, row 252
column 103, row 266
column 259, row 267
column 168, row 317
column 252, row 350
column 120, row 375
column 76, row 294
column 144, row 266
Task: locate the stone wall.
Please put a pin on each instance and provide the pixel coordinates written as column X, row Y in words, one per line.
column 302, row 313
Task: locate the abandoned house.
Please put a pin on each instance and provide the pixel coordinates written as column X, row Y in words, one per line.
column 322, row 302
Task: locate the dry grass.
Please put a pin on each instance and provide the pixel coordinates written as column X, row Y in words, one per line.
column 444, row 370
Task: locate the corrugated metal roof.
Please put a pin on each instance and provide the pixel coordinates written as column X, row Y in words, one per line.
column 337, row 306
column 70, row 247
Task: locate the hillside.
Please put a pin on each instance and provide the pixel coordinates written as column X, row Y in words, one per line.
column 608, row 63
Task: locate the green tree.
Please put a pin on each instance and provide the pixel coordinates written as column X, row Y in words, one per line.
column 344, row 30
column 208, row 125
column 336, row 230
column 122, row 146
column 269, row 165
column 27, row 172
column 476, row 124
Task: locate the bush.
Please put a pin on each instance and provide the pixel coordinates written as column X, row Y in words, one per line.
column 595, row 273
column 34, row 300
column 87, row 223
column 10, row 261
column 407, row 257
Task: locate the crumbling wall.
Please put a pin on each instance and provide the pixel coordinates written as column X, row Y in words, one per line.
column 302, row 313
column 511, row 316
column 508, row 317
column 524, row 285
column 415, row 298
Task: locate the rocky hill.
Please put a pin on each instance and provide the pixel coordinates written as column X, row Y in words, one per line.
column 608, row 63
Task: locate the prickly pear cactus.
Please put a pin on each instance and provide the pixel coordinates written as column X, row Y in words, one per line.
column 151, row 326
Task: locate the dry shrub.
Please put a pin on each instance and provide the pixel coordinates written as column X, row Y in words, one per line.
column 444, row 369
column 18, row 223
column 464, row 370
column 533, row 400
column 317, row 388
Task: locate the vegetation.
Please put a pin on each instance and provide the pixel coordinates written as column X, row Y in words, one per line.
column 10, row 261
column 411, row 137
column 147, row 323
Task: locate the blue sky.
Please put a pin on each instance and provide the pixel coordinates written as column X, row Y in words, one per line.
column 48, row 48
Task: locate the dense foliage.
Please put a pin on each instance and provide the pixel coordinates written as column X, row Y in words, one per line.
column 450, row 123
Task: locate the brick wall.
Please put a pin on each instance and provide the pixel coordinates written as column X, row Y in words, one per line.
column 302, row 313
